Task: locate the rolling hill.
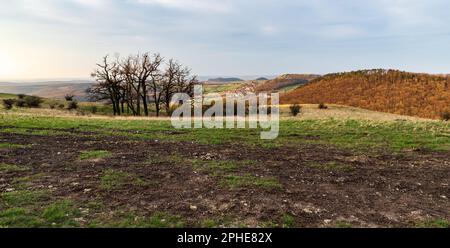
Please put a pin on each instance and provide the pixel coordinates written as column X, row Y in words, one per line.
column 222, row 80
column 49, row 89
column 392, row 91
column 284, row 81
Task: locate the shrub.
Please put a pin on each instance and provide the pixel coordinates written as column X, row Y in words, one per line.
column 8, row 103
column 72, row 105
column 33, row 101
column 295, row 109
column 446, row 116
column 21, row 96
column 323, row 106
column 69, row 97
column 61, row 106
column 94, row 109
column 52, row 105
column 20, row 103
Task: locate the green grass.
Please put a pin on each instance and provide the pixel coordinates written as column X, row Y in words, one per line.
column 87, row 155
column 216, row 222
column 25, row 209
column 233, row 181
column 96, row 108
column 224, row 169
column 29, row 209
column 115, row 179
column 7, row 96
column 61, row 214
column 437, row 223
column 12, row 146
column 42, row 132
column 19, row 218
column 356, row 134
column 220, row 88
column 26, row 181
column 12, row 168
column 209, row 223
column 164, row 220
column 22, row 208
column 133, row 220
column 359, row 134
column 23, row 198
column 288, row 221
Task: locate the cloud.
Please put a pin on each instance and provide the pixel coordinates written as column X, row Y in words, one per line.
column 223, row 6
column 65, row 12
column 409, row 13
column 240, row 33
column 49, row 10
column 90, row 3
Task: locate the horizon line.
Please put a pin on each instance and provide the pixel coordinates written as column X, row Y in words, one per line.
column 62, row 79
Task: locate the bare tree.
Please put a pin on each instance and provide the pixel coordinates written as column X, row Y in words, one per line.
column 138, row 81
column 169, row 81
column 147, row 71
column 156, row 88
column 108, row 87
column 176, row 79
column 129, row 70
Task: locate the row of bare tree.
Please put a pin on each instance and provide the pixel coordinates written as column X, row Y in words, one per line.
column 134, row 83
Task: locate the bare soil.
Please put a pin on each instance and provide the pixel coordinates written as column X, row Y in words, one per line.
column 320, row 185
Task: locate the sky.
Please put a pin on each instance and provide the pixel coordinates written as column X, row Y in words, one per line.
column 49, row 39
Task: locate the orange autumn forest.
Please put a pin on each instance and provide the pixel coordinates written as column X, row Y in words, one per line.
column 393, row 91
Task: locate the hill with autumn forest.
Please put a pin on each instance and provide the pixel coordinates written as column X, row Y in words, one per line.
column 392, row 91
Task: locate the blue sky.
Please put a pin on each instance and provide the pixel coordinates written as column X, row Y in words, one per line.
column 65, row 38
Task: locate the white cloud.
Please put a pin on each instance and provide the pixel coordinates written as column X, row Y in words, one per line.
column 192, row 5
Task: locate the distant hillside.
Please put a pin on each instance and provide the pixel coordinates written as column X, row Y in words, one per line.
column 49, row 89
column 222, row 80
column 391, row 91
column 240, row 87
column 287, row 80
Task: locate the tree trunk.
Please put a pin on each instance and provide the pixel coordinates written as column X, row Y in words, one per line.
column 157, row 110
column 138, row 101
column 144, row 99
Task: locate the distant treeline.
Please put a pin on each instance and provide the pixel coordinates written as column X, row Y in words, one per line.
column 135, row 83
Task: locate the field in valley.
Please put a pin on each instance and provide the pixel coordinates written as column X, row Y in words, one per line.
column 341, row 167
